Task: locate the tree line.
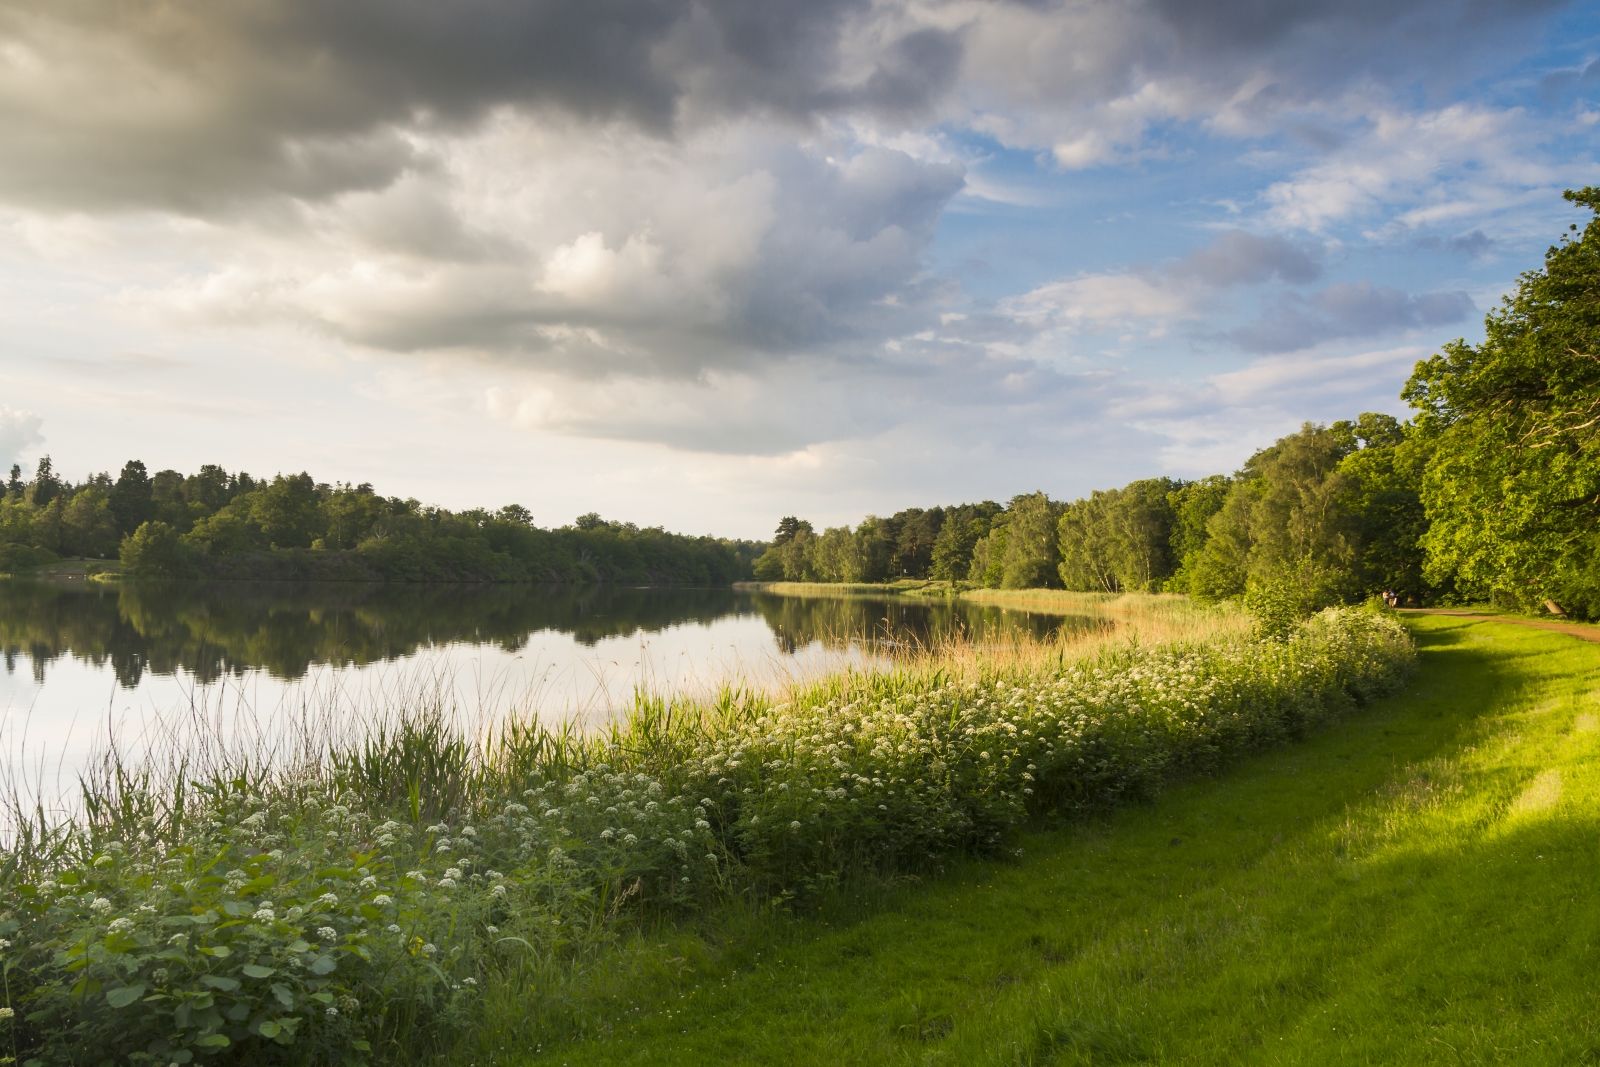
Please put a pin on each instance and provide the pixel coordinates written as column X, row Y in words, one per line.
column 1490, row 491
column 218, row 524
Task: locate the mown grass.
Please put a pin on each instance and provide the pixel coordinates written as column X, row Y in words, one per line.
column 1412, row 885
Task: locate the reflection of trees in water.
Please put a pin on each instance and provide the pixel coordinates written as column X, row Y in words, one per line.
column 216, row 629
column 836, row 621
column 213, row 629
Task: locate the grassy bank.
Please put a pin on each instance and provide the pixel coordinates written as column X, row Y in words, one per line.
column 1413, row 885
column 361, row 902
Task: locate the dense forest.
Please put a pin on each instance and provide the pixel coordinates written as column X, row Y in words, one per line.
column 218, row 524
column 1491, row 491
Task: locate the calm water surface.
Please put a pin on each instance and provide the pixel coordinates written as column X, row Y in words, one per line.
column 141, row 660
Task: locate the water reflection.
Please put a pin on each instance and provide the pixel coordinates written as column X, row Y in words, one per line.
column 210, row 631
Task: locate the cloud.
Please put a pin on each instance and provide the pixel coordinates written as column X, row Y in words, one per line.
column 1089, row 82
column 1237, row 257
column 611, row 255
column 200, row 108
column 1474, row 244
column 1443, row 165
column 20, row 432
column 1153, row 298
column 1348, row 309
column 1213, row 425
column 206, row 109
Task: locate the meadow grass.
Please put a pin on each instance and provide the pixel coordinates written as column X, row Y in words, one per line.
column 1412, row 885
column 361, row 902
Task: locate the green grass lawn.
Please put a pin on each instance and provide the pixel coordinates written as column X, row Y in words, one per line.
column 1419, row 883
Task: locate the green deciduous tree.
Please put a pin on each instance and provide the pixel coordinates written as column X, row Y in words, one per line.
column 154, row 551
column 1032, row 546
column 1512, row 485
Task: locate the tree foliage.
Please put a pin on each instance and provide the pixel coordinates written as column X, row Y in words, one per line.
column 1512, row 483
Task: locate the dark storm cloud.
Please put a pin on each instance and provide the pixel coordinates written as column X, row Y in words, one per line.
column 1351, row 309
column 198, row 106
column 194, row 106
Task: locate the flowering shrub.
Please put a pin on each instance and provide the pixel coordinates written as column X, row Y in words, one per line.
column 289, row 921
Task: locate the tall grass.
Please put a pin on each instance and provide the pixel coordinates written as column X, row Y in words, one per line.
column 325, row 889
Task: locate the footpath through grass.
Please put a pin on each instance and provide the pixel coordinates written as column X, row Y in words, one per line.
column 1414, row 884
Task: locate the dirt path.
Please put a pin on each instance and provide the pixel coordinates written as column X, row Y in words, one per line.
column 1579, row 630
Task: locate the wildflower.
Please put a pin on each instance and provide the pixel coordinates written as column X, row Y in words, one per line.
column 469, row 981
column 328, row 900
column 119, row 925
column 104, row 861
column 100, row 904
column 417, row 875
column 264, row 915
column 7, row 1014
column 4, row 944
column 393, row 928
column 453, row 872
column 369, row 882
column 294, row 914
column 429, row 949
column 498, row 890
column 447, row 883
column 332, row 1012
column 160, row 975
column 491, row 930
column 383, row 900
column 327, row 933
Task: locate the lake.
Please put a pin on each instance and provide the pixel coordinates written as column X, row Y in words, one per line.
column 153, row 662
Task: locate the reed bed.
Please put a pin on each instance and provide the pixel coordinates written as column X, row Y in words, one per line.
column 346, row 895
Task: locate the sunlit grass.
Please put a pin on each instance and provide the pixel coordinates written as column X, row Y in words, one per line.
column 1413, row 885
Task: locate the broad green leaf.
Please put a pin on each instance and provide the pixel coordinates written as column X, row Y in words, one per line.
column 255, row 970
column 122, row 996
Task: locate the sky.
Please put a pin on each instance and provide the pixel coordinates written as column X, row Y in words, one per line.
column 705, row 263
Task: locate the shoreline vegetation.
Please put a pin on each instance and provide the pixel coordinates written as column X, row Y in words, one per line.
column 1401, row 887
column 361, row 906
